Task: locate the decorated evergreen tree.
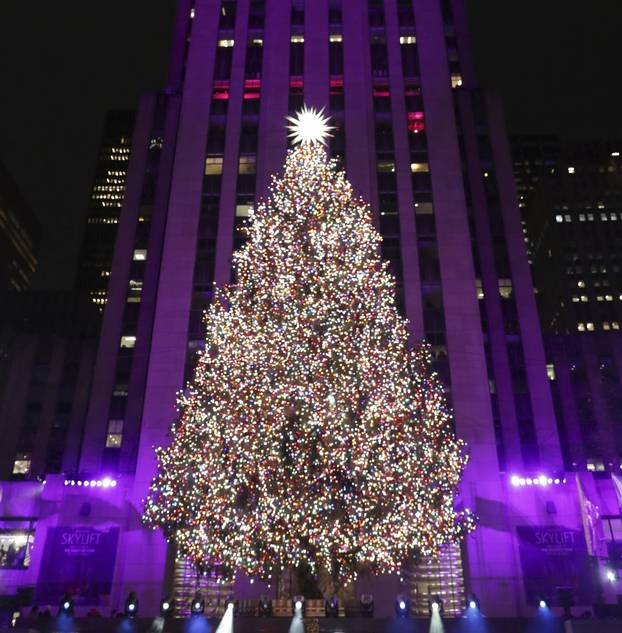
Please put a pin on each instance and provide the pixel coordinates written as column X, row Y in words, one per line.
column 309, row 435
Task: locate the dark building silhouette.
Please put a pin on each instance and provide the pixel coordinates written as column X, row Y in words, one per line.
column 574, row 226
column 47, row 352
column 19, row 237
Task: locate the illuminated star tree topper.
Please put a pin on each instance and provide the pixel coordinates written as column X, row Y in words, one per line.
column 309, row 126
column 309, row 435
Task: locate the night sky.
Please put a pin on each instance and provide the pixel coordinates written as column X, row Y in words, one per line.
column 555, row 64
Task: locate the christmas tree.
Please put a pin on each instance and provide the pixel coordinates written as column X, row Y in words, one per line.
column 310, row 435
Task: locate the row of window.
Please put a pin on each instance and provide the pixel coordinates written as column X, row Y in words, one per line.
column 246, row 165
column 588, row 217
column 606, row 325
column 405, row 14
column 597, row 283
column 505, row 288
column 585, row 298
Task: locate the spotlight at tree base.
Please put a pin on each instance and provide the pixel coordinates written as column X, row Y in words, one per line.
column 543, row 604
column 198, row 604
column 473, row 602
column 435, row 605
column 366, row 603
column 226, row 623
column 232, row 604
column 611, row 575
column 299, row 605
column 331, row 607
column 131, row 605
column 66, row 605
column 402, row 606
column 265, row 606
column 167, row 606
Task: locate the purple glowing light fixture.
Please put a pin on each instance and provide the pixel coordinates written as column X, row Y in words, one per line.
column 104, row 482
column 538, row 480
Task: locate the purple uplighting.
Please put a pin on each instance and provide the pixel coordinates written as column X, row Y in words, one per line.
column 105, row 482
column 537, row 480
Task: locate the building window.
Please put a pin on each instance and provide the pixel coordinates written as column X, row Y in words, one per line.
column 128, row 341
column 135, row 290
column 505, row 288
column 559, row 218
column 335, row 37
column 226, row 43
column 140, row 255
column 581, row 327
column 213, row 166
column 419, row 167
column 252, row 69
column 227, row 15
column 456, row 80
column 243, row 210
column 590, row 327
column 571, row 170
column 424, row 208
column 385, row 166
column 21, row 465
column 256, row 16
column 550, row 371
column 408, row 39
column 334, row 12
column 615, row 325
column 246, row 165
column 114, row 437
column 595, row 465
column 479, row 289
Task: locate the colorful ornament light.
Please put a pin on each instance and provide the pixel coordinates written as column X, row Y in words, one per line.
column 309, row 433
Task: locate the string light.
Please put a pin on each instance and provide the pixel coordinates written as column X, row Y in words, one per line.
column 309, row 433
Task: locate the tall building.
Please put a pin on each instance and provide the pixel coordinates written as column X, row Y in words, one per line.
column 429, row 151
column 19, row 237
column 104, row 209
column 574, row 224
column 47, row 352
column 534, row 156
column 586, row 378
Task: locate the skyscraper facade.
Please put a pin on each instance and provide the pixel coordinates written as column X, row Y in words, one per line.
column 429, row 151
column 575, row 231
column 19, row 237
column 104, row 208
column 47, row 353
